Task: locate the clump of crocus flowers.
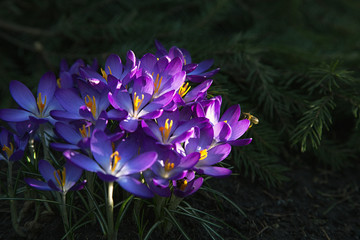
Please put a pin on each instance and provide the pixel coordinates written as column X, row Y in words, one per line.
column 147, row 125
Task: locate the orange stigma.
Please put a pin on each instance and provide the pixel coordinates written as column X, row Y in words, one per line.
column 114, row 159
column 83, row 131
column 184, row 89
column 203, row 154
column 169, row 166
column 40, row 104
column 165, row 131
column 137, row 101
column 91, row 104
column 60, row 177
column 9, row 151
column 157, row 83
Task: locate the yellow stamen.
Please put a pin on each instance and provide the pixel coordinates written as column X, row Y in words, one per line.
column 169, row 166
column 60, row 177
column 165, row 131
column 157, row 83
column 41, row 105
column 58, row 82
column 203, row 154
column 137, row 101
column 184, row 89
column 104, row 74
column 114, row 159
column 91, row 104
column 83, row 131
column 9, row 151
column 184, row 60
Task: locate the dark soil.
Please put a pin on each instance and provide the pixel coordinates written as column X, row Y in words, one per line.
column 314, row 204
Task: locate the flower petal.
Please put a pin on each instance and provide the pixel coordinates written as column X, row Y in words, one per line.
column 23, row 96
column 147, row 62
column 231, row 115
column 47, row 86
column 116, row 114
column 239, row 128
column 63, row 146
column 69, row 99
column 190, row 189
column 101, row 148
column 129, row 124
column 139, row 163
column 240, row 142
column 82, row 161
column 113, row 62
column 151, row 129
column 46, row 170
column 222, row 132
column 73, row 174
column 135, row 187
column 158, row 189
column 158, row 103
column 67, row 133
column 121, row 100
column 196, row 92
column 78, row 186
column 64, row 115
column 190, row 160
column 106, row 177
column 215, row 155
column 214, row 171
column 203, row 66
column 38, row 184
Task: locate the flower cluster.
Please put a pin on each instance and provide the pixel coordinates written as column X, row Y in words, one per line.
column 146, row 124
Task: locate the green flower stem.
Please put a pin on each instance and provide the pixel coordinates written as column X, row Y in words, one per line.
column 90, row 185
column 160, row 203
column 112, row 235
column 13, row 209
column 173, row 204
column 64, row 215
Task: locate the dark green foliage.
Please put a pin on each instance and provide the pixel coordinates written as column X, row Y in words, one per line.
column 292, row 64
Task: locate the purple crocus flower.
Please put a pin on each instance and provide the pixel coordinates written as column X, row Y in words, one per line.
column 202, row 142
column 77, row 136
column 67, row 73
column 12, row 147
column 227, row 128
column 167, row 75
column 36, row 110
column 114, row 74
column 186, row 95
column 188, row 185
column 194, row 72
column 57, row 180
column 139, row 103
column 90, row 105
column 120, row 164
column 168, row 130
column 171, row 166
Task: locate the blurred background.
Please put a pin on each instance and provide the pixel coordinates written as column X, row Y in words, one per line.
column 293, row 64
